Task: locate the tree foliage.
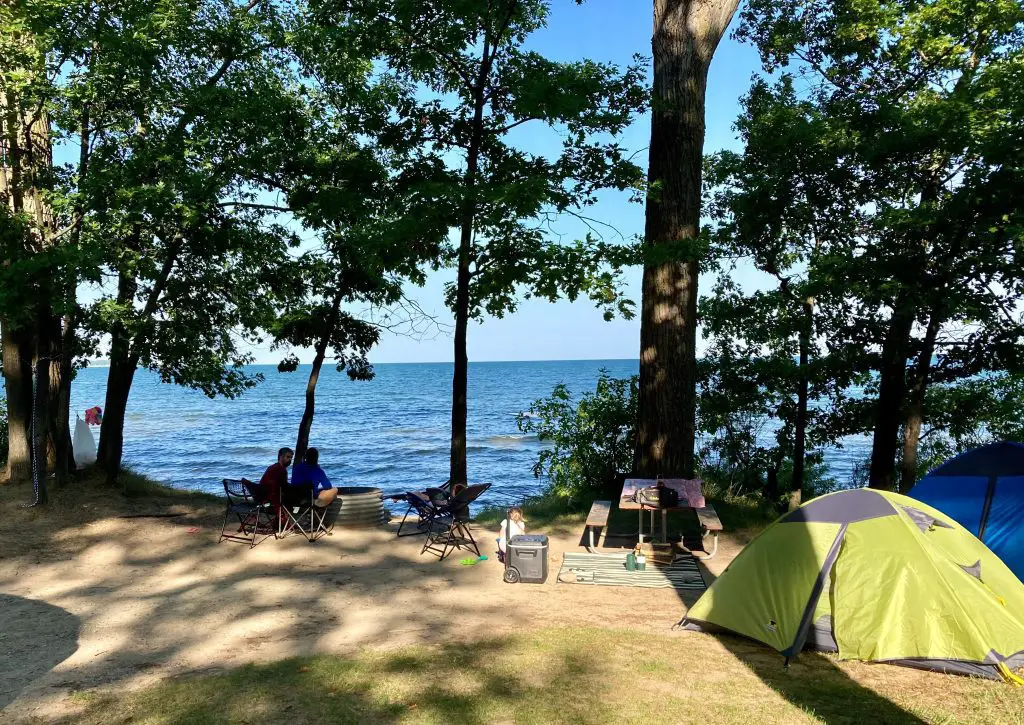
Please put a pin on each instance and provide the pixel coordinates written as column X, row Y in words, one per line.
column 476, row 82
column 592, row 439
column 880, row 179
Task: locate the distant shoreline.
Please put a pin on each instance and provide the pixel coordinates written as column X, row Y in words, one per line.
column 103, row 363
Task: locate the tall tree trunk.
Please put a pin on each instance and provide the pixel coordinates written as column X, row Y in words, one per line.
column 68, row 337
column 457, row 465
column 41, row 403
column 119, row 385
column 61, row 431
column 685, row 37
column 17, row 357
column 53, row 395
column 457, row 470
column 119, row 382
column 915, row 403
column 800, row 426
column 302, row 442
column 892, row 385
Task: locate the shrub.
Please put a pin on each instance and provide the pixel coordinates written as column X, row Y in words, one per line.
column 592, row 440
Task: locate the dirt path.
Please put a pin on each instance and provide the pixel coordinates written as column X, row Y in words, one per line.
column 95, row 601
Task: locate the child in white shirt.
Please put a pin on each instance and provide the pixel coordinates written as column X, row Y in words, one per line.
column 514, row 525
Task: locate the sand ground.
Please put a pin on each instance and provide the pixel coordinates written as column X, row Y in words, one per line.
column 91, row 600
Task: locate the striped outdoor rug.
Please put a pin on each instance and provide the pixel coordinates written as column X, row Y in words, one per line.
column 610, row 570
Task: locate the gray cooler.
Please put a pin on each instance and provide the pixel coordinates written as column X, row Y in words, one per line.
column 527, row 559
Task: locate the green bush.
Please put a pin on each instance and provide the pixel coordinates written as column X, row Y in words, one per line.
column 592, row 440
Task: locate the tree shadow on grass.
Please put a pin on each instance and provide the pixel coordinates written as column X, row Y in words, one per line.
column 27, row 652
column 454, row 682
column 814, row 683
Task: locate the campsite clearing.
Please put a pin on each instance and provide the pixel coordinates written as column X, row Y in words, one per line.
column 125, row 619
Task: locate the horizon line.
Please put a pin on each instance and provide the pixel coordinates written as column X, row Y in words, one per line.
column 95, row 362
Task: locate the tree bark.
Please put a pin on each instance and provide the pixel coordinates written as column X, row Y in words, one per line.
column 41, row 402
column 17, row 358
column 458, row 467
column 892, row 387
column 302, row 442
column 119, row 385
column 915, row 403
column 119, row 380
column 686, row 34
column 62, row 371
column 800, row 426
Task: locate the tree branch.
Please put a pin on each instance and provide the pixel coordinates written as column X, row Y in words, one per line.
column 254, row 205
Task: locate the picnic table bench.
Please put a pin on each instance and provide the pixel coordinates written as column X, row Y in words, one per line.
column 709, row 524
column 707, row 517
column 597, row 519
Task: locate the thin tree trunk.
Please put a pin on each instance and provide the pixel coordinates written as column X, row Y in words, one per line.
column 302, row 443
column 18, row 386
column 915, row 403
column 800, row 427
column 62, row 369
column 892, row 385
column 41, row 404
column 684, row 41
column 458, row 466
column 53, row 395
column 68, row 338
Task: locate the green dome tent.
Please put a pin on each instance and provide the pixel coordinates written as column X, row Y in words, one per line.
column 874, row 576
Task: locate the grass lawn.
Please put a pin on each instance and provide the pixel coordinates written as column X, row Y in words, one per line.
column 578, row 675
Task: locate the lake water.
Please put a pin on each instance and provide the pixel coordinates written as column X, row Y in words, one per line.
column 391, row 432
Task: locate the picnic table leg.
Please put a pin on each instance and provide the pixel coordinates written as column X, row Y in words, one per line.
column 714, row 545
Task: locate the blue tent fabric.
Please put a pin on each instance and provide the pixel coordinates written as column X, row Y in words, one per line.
column 1004, row 531
column 962, row 497
column 983, row 489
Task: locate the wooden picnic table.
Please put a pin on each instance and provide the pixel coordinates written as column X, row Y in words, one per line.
column 690, row 497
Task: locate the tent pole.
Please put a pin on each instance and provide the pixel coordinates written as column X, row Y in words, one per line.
column 989, row 495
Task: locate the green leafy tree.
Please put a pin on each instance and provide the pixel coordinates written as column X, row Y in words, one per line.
column 476, row 82
column 592, row 439
column 902, row 149
column 170, row 194
column 372, row 202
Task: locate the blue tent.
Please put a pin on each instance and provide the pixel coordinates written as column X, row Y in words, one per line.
column 983, row 489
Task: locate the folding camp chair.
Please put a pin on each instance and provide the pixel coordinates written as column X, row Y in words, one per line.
column 449, row 529
column 300, row 514
column 426, row 504
column 255, row 518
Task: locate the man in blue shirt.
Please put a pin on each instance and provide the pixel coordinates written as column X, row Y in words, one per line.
column 309, row 473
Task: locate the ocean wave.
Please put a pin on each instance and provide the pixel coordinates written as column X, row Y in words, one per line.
column 511, row 440
column 421, row 451
column 254, row 450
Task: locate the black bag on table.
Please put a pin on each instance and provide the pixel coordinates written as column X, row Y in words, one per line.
column 658, row 497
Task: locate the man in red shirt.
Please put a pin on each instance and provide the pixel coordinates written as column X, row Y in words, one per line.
column 275, row 477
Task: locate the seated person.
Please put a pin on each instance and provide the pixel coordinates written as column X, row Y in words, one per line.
column 309, row 473
column 514, row 525
column 274, row 478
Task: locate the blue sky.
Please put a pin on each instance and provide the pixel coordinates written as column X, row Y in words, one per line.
column 603, row 30
column 606, row 31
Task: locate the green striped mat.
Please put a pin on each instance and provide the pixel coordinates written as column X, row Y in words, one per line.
column 610, row 570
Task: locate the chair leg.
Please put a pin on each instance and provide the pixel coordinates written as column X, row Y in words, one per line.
column 464, row 527
column 224, row 526
column 419, row 524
